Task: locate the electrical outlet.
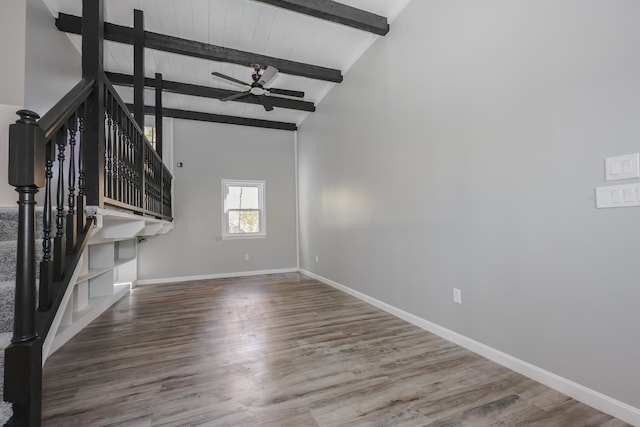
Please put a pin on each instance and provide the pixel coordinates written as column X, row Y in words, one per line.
column 457, row 296
column 317, row 258
column 246, row 257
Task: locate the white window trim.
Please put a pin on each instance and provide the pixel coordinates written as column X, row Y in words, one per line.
column 263, row 217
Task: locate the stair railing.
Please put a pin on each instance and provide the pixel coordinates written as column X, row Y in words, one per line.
column 135, row 177
column 52, row 153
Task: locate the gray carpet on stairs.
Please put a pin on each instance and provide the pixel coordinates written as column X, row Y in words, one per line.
column 8, row 231
column 7, row 292
column 5, row 408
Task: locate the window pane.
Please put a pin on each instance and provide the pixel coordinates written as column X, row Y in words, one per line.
column 150, row 133
column 243, row 209
column 244, row 221
column 241, row 197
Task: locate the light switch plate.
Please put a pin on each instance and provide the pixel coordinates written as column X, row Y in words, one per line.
column 618, row 196
column 457, row 296
column 622, row 167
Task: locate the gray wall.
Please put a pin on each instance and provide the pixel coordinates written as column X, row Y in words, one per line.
column 12, row 42
column 211, row 152
column 43, row 66
column 12, row 45
column 462, row 151
column 53, row 64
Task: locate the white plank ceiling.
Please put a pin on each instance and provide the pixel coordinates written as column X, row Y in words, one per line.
column 239, row 24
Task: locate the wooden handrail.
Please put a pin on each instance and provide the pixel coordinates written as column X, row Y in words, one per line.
column 60, row 113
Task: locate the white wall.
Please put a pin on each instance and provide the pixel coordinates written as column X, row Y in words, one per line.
column 12, row 46
column 43, row 66
column 462, row 151
column 12, row 50
column 211, row 152
column 53, row 64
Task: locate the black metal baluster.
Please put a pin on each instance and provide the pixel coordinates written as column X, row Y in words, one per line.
column 81, row 199
column 46, row 265
column 116, row 155
column 135, row 157
column 59, row 240
column 111, row 132
column 139, row 176
column 127, row 162
column 154, row 182
column 145, row 174
column 123, row 159
column 71, row 214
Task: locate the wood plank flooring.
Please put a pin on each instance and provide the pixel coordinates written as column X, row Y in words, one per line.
column 282, row 350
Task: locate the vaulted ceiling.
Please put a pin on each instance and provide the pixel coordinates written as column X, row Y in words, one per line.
column 312, row 42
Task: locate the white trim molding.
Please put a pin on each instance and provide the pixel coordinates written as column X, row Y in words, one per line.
column 577, row 391
column 168, row 280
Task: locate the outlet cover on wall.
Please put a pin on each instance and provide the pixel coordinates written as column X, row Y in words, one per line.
column 457, row 296
column 618, row 196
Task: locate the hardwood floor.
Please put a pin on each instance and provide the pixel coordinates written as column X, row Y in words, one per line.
column 282, row 350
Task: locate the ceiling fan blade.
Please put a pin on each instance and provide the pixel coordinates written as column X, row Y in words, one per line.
column 286, row 92
column 265, row 103
column 268, row 75
column 235, row 96
column 231, row 79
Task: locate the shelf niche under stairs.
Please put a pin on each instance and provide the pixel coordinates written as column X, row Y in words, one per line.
column 106, row 272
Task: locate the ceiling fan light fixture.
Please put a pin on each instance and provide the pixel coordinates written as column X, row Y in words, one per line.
column 257, row 89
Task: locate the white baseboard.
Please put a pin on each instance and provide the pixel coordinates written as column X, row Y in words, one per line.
column 577, row 391
column 213, row 276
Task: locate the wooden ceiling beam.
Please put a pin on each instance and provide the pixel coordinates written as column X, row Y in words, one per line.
column 211, row 92
column 336, row 12
column 219, row 118
column 121, row 34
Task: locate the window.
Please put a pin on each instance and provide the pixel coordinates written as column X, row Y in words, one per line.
column 243, row 209
column 150, row 133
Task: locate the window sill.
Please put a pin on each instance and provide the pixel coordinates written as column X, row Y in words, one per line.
column 243, row 236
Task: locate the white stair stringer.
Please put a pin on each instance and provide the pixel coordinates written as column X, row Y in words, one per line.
column 48, row 345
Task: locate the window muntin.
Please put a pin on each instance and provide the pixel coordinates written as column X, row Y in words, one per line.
column 243, row 209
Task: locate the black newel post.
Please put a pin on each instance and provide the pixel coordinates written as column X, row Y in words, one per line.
column 23, row 370
column 158, row 113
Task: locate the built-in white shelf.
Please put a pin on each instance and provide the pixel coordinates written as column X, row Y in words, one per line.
column 92, row 273
column 107, row 270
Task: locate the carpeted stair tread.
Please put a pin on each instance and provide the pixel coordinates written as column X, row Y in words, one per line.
column 9, row 224
column 8, row 246
column 8, row 252
column 8, row 260
column 7, row 297
column 5, row 408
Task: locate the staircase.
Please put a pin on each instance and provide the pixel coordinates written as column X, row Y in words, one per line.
column 105, row 273
column 102, row 185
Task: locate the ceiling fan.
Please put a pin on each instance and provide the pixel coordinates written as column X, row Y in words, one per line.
column 261, row 76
